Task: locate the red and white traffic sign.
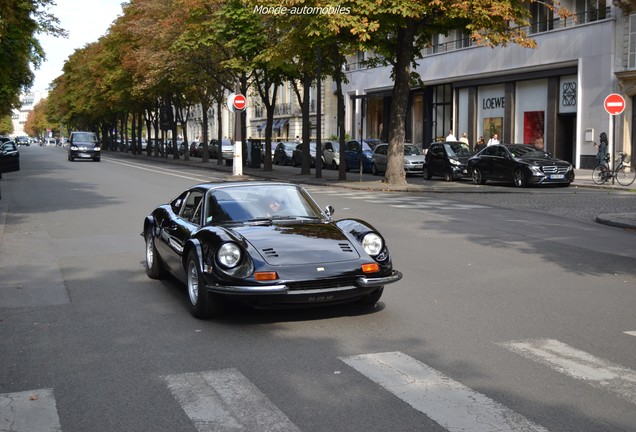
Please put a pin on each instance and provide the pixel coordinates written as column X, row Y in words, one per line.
column 614, row 104
column 236, row 102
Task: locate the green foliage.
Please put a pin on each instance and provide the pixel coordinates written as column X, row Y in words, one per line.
column 20, row 22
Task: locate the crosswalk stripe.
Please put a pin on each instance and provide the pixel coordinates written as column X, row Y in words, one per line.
column 631, row 333
column 29, row 411
column 578, row 364
column 445, row 401
column 225, row 400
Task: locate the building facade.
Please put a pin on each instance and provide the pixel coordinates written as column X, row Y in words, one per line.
column 555, row 91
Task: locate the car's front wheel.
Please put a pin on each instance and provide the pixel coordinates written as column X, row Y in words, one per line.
column 426, row 173
column 519, row 178
column 203, row 305
column 154, row 268
column 478, row 178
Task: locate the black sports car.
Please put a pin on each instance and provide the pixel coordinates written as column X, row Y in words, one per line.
column 265, row 244
column 520, row 164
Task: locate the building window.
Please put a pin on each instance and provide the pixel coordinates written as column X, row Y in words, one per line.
column 631, row 61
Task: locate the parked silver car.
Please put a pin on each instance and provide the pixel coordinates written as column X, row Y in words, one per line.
column 413, row 159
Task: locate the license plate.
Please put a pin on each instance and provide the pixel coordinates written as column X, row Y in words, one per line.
column 557, row 176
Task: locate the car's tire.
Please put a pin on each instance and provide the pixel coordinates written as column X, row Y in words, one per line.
column 96, row 159
column 293, row 162
column 426, row 173
column 371, row 298
column 374, row 170
column 519, row 178
column 448, row 175
column 334, row 165
column 478, row 177
column 203, row 305
column 154, row 267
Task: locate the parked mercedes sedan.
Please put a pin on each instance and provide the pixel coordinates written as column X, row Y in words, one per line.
column 520, row 164
column 265, row 244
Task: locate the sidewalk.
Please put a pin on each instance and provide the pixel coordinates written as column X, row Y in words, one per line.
column 583, row 179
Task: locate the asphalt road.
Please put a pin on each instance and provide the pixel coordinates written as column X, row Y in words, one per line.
column 516, row 313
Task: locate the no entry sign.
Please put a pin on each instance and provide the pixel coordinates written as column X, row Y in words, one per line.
column 614, row 104
column 236, row 102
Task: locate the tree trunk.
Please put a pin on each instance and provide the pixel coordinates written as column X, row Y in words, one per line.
column 395, row 174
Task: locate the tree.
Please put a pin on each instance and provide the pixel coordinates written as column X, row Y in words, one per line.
column 20, row 22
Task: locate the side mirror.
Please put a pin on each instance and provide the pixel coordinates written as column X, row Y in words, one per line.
column 329, row 210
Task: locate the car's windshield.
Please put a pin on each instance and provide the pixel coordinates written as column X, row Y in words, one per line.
column 258, row 202
column 411, row 150
column 526, row 151
column 457, row 149
column 84, row 137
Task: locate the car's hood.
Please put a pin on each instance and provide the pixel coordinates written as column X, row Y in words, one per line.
column 545, row 161
column 299, row 243
column 414, row 158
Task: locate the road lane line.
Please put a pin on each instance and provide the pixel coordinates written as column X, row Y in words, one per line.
column 224, row 400
column 578, row 364
column 200, row 178
column 29, row 411
column 631, row 333
column 447, row 402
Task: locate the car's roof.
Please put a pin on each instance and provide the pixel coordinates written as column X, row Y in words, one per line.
column 220, row 185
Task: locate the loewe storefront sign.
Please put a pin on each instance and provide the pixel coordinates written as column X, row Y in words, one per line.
column 492, row 103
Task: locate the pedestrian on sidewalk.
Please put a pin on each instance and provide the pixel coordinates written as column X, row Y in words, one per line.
column 602, row 150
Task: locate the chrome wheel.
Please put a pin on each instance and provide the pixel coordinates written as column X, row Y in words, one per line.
column 193, row 282
column 519, row 178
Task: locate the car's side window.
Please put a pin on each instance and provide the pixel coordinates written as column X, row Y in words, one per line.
column 190, row 205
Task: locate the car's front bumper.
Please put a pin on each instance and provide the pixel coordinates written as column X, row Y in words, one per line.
column 361, row 283
column 85, row 154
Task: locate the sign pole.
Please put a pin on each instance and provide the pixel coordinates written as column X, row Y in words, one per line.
column 614, row 105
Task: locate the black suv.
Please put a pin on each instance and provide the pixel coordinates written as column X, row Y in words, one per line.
column 84, row 145
column 447, row 160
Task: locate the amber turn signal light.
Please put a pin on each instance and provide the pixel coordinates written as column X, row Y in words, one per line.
column 265, row 276
column 370, row 268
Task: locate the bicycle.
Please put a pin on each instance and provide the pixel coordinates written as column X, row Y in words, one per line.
column 624, row 173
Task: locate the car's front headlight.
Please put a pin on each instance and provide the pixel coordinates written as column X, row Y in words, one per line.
column 74, row 148
column 536, row 170
column 97, row 148
column 454, row 162
column 229, row 255
column 372, row 244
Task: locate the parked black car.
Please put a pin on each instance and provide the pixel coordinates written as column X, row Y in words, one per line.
column 520, row 164
column 447, row 159
column 283, row 153
column 84, row 145
column 9, row 157
column 297, row 154
column 264, row 244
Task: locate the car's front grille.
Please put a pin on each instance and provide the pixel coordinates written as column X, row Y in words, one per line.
column 553, row 169
column 322, row 284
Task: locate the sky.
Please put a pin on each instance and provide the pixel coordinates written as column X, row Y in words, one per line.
column 85, row 21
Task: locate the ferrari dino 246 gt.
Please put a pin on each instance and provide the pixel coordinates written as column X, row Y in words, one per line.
column 265, row 244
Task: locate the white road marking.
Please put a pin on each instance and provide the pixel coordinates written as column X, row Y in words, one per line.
column 224, row 400
column 631, row 333
column 449, row 403
column 29, row 411
column 578, row 364
column 170, row 172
